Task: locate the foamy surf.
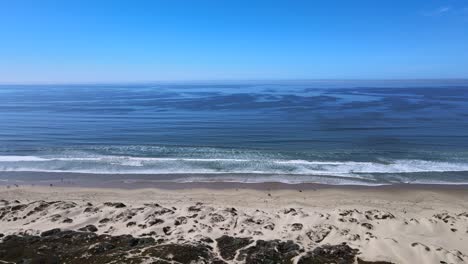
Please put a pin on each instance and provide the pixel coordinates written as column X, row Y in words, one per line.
column 260, row 168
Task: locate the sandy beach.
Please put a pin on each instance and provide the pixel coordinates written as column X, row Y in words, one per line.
column 244, row 223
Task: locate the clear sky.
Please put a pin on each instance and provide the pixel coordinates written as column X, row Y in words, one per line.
column 133, row 41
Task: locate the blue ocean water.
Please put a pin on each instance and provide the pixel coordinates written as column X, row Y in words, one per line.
column 334, row 132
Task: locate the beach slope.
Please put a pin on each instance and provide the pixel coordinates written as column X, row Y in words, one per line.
column 197, row 224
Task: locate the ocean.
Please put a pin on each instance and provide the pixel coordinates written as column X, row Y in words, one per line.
column 330, row 132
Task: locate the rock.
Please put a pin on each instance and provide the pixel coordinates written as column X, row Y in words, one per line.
column 367, row 225
column 18, row 207
column 91, row 210
column 167, row 230
column 290, row 211
column 182, row 253
column 50, row 232
column 116, row 205
column 360, row 261
column 101, row 248
column 296, row 227
column 104, row 220
column 129, row 224
column 319, row 233
column 464, row 214
column 89, row 228
column 180, row 220
column 251, row 221
column 232, row 211
column 163, row 211
column 216, row 218
column 270, row 252
column 195, row 208
column 376, row 214
column 339, row 254
column 207, row 240
column 155, row 221
column 228, row 246
column 422, row 245
column 67, row 221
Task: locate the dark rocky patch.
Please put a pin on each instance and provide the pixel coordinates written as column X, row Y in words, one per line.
column 346, row 212
column 65, row 205
column 162, row 211
column 55, row 217
column 72, row 247
column 100, row 248
column 195, row 208
column 360, row 261
column 167, row 230
column 116, row 205
column 445, row 217
column 296, row 227
column 319, row 233
column 56, row 246
column 18, row 207
column 290, row 211
column 125, row 215
column 89, row 228
column 270, row 252
column 216, row 218
column 91, row 210
column 251, row 221
column 67, row 220
column 464, row 214
column 228, row 245
column 104, row 220
column 207, row 240
column 181, row 220
column 422, row 245
column 339, row 254
column 379, row 215
column 50, row 232
column 155, row 221
column 183, row 253
column 232, row 211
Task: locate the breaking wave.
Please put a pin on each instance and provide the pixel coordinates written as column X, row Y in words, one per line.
column 263, row 169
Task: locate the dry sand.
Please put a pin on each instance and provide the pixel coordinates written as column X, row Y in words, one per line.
column 399, row 225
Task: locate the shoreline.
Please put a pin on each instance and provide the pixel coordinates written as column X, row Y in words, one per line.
column 123, row 181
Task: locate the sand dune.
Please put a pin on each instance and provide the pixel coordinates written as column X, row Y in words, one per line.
column 396, row 226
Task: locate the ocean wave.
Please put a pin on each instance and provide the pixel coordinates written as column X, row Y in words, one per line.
column 109, row 164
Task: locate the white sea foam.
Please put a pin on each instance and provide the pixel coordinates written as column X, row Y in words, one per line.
column 108, row 164
column 20, row 158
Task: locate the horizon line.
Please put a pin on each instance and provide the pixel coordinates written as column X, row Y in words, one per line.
column 188, row 81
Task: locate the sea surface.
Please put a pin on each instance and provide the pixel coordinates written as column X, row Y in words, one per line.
column 332, row 132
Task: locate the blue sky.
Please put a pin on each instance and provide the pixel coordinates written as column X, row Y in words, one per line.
column 132, row 41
